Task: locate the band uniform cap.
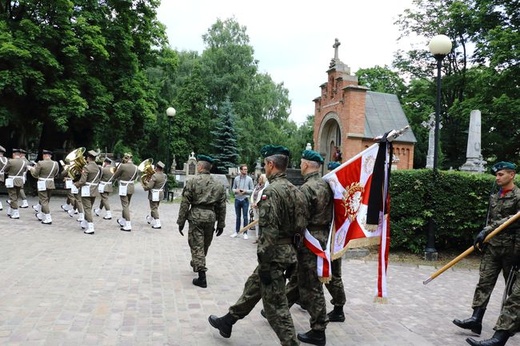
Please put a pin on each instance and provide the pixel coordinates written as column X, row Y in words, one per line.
column 16, row 150
column 22, row 151
column 312, row 155
column 107, row 160
column 160, row 164
column 46, row 152
column 92, row 153
column 269, row 150
column 503, row 165
column 127, row 156
column 333, row 165
column 2, row 149
column 205, row 158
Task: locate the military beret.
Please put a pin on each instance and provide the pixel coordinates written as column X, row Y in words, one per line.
column 312, row 155
column 46, row 152
column 92, row 153
column 160, row 164
column 205, row 158
column 269, row 150
column 333, row 165
column 503, row 165
column 2, row 149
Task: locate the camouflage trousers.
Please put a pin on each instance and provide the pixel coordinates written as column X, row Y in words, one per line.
column 308, row 289
column 509, row 318
column 200, row 236
column 335, row 285
column 275, row 303
column 494, row 260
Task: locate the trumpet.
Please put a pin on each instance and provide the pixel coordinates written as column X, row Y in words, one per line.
column 147, row 169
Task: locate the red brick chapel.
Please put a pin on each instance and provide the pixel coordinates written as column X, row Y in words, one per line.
column 349, row 116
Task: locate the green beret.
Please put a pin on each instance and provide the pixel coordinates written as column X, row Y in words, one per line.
column 205, row 158
column 333, row 165
column 312, row 155
column 269, row 150
column 503, row 165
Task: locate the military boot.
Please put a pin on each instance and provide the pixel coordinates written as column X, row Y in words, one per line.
column 499, row 339
column 314, row 337
column 201, row 280
column 474, row 323
column 337, row 314
column 224, row 324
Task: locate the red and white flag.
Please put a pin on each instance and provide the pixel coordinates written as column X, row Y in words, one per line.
column 361, row 206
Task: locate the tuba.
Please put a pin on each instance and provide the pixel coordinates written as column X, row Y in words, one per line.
column 147, row 169
column 75, row 162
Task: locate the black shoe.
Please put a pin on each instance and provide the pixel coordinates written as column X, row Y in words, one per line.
column 499, row 339
column 201, row 280
column 223, row 324
column 474, row 323
column 337, row 314
column 314, row 337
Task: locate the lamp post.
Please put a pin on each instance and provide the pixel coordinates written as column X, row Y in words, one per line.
column 170, row 113
column 439, row 46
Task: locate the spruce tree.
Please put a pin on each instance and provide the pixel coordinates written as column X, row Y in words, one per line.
column 225, row 138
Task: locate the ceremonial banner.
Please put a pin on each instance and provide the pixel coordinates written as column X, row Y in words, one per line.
column 361, row 205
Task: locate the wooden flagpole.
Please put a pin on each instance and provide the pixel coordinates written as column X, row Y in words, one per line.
column 470, row 250
column 245, row 228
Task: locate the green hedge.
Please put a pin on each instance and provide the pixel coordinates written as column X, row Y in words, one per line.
column 457, row 200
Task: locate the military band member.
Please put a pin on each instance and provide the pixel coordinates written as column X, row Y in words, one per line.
column 126, row 173
column 45, row 171
column 87, row 184
column 155, row 188
column 3, row 162
column 203, row 204
column 14, row 169
column 105, row 188
column 23, row 196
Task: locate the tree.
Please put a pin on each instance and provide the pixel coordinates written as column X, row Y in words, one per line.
column 381, row 79
column 225, row 148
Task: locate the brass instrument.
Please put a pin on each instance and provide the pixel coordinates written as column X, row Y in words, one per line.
column 75, row 162
column 147, row 169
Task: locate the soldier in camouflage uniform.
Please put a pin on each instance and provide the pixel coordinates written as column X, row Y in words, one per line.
column 508, row 322
column 282, row 210
column 203, row 203
column 308, row 288
column 500, row 253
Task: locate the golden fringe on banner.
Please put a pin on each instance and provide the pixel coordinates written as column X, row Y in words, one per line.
column 325, row 280
column 381, row 300
column 356, row 243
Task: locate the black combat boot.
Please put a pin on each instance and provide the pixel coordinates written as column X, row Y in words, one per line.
column 224, row 324
column 499, row 339
column 315, row 337
column 201, row 280
column 337, row 314
column 474, row 323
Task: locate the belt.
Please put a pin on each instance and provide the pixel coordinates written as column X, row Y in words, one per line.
column 284, row 241
column 203, row 206
column 45, row 179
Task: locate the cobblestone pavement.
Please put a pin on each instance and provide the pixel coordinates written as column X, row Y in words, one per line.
column 61, row 287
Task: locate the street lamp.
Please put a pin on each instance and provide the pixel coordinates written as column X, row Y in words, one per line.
column 439, row 46
column 170, row 113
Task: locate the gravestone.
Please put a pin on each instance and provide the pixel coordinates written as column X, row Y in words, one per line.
column 474, row 161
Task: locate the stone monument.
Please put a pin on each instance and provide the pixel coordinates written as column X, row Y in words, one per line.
column 474, row 161
column 430, row 125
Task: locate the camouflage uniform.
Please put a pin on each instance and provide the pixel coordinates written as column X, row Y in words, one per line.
column 309, row 288
column 509, row 319
column 335, row 285
column 500, row 251
column 282, row 209
column 207, row 199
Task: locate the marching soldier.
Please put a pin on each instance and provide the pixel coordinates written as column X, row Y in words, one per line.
column 203, row 203
column 3, row 162
column 23, row 196
column 14, row 169
column 155, row 188
column 45, row 171
column 126, row 173
column 88, row 182
column 104, row 188
column 282, row 215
